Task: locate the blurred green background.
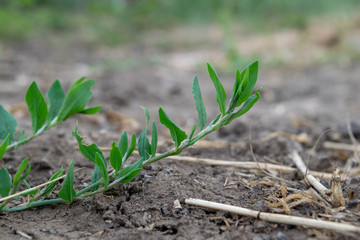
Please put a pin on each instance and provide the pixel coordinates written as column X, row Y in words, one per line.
column 113, row 23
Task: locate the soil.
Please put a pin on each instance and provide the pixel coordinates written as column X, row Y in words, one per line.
column 296, row 100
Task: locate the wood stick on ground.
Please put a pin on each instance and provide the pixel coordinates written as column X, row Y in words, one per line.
column 277, row 218
column 324, row 192
column 301, row 138
column 247, row 165
column 243, row 165
column 341, row 146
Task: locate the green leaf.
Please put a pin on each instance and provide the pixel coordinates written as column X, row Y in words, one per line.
column 96, row 176
column 239, row 86
column 4, row 146
column 146, row 111
column 55, row 96
column 131, row 148
column 30, row 192
column 251, row 78
column 8, row 125
column 154, row 139
column 200, row 107
column 115, row 157
column 220, row 92
column 177, row 134
column 20, row 170
column 91, row 110
column 37, row 106
column 245, row 108
column 101, row 163
column 67, row 191
column 144, row 145
column 5, row 182
column 193, row 131
column 23, row 176
column 89, row 151
column 49, row 188
column 126, row 171
column 78, row 82
column 76, row 100
column 131, row 176
column 123, row 143
column 21, row 136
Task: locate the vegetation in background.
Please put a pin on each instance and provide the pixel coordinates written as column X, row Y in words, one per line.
column 113, row 22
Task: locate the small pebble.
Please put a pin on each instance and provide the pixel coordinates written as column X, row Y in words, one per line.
column 281, row 236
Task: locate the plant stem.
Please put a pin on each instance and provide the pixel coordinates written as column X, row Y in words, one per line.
column 187, row 143
column 44, row 128
column 34, row 204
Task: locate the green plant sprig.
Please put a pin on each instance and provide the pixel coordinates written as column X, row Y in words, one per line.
column 104, row 177
column 47, row 114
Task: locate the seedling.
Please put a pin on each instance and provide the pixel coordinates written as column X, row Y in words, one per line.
column 120, row 171
column 47, row 114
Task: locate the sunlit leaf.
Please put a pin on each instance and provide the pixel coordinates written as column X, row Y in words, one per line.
column 89, row 151
column 177, row 134
column 154, row 139
column 251, row 78
column 5, row 182
column 131, row 147
column 30, row 192
column 67, row 191
column 55, row 96
column 37, row 106
column 131, row 176
column 91, row 110
column 76, row 99
column 8, row 125
column 144, row 145
column 193, row 131
column 246, row 107
column 220, row 91
column 96, row 176
column 4, row 146
column 146, row 111
column 200, row 107
column 21, row 136
column 126, row 171
column 101, row 163
column 123, row 143
column 115, row 157
column 49, row 188
column 20, row 170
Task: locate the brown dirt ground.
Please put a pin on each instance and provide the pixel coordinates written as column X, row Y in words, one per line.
column 296, row 100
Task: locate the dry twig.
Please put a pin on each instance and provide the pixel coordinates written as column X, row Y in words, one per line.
column 301, row 138
column 277, row 218
column 333, row 196
column 341, row 146
column 247, row 165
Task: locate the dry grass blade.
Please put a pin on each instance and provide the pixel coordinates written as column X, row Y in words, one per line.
column 277, row 218
column 301, row 138
column 341, row 146
column 247, row 165
column 333, row 196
